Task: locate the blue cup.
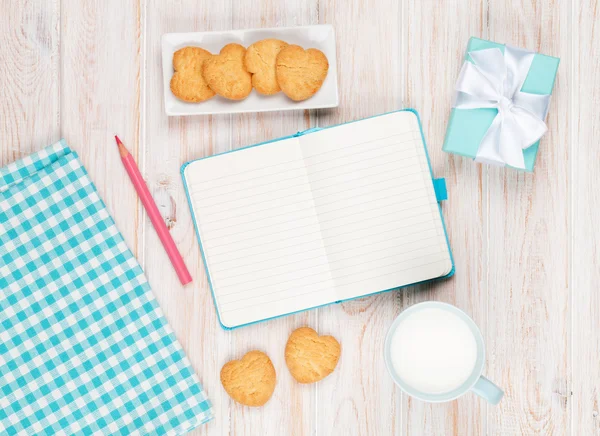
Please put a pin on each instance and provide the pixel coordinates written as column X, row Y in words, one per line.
column 475, row 383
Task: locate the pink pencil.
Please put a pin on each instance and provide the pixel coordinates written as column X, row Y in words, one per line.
column 157, row 221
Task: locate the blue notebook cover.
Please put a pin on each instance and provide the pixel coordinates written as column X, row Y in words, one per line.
column 84, row 347
column 438, row 185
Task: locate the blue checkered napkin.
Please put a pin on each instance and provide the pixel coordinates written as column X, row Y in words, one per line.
column 84, row 347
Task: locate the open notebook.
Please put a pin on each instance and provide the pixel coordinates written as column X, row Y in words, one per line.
column 319, row 217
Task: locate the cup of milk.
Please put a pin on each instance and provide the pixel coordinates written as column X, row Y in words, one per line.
column 435, row 352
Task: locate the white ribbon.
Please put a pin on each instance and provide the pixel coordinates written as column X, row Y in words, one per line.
column 495, row 81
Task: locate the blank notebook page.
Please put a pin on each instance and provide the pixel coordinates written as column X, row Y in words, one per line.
column 332, row 215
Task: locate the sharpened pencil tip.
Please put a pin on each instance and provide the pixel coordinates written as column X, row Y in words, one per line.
column 122, row 150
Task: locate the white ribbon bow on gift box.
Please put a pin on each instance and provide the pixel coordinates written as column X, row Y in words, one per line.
column 495, row 81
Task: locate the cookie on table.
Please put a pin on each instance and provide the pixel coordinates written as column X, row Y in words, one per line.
column 187, row 82
column 311, row 357
column 260, row 62
column 250, row 380
column 301, row 73
column 226, row 74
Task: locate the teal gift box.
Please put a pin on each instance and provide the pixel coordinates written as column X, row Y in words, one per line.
column 467, row 127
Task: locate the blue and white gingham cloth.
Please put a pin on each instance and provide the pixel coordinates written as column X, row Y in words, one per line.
column 84, row 346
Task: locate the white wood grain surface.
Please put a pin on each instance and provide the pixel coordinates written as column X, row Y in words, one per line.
column 429, row 34
column 526, row 246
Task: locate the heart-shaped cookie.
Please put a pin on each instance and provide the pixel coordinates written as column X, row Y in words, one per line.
column 260, row 62
column 187, row 82
column 300, row 73
column 311, row 357
column 226, row 74
column 250, row 380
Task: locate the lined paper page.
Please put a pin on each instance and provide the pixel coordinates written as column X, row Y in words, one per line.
column 324, row 217
column 259, row 231
column 377, row 210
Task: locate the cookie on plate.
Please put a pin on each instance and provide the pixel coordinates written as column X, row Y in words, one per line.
column 260, row 62
column 187, row 82
column 311, row 357
column 300, row 73
column 226, row 74
column 250, row 380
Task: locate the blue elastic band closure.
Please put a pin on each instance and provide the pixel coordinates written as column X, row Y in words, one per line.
column 439, row 186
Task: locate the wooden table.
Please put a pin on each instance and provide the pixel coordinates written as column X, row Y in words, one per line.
column 527, row 246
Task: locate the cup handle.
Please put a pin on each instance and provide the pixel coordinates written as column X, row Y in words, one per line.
column 488, row 390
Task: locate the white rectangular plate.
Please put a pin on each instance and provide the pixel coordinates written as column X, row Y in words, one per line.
column 320, row 37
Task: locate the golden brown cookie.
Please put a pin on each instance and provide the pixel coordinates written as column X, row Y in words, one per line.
column 311, row 357
column 187, row 82
column 251, row 380
column 300, row 73
column 226, row 74
column 260, row 61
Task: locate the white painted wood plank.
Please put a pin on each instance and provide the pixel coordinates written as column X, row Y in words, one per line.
column 584, row 97
column 291, row 410
column 167, row 144
column 100, row 97
column 528, row 226
column 359, row 397
column 29, row 77
column 434, row 51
